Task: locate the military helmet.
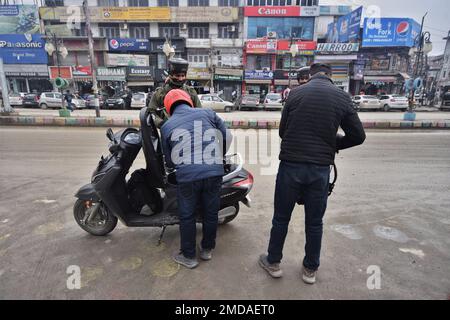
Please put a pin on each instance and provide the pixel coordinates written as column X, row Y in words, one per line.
column 178, row 65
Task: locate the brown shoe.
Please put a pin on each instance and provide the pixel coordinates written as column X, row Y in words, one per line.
column 309, row 276
column 272, row 268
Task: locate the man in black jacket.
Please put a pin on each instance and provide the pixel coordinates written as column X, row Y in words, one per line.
column 308, row 129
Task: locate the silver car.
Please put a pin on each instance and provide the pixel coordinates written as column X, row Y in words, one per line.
column 273, row 101
column 16, row 99
column 216, row 103
column 138, row 100
column 367, row 102
column 50, row 100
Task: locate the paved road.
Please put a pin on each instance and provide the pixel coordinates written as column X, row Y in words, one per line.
column 428, row 114
column 390, row 209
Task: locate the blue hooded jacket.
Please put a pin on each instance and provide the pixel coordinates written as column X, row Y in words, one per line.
column 194, row 141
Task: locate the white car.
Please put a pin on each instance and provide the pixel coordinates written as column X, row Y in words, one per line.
column 216, row 103
column 78, row 103
column 367, row 102
column 273, row 101
column 50, row 100
column 394, row 101
column 138, row 100
column 16, row 99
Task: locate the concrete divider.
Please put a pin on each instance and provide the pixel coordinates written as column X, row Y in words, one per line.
column 234, row 124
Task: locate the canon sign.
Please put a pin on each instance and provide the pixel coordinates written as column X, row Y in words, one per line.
column 271, row 12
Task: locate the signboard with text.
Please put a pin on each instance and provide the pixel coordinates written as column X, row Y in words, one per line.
column 258, row 75
column 257, row 46
column 281, row 11
column 19, row 19
column 23, row 49
column 346, row 28
column 128, row 44
column 127, row 60
column 334, row 48
column 390, row 32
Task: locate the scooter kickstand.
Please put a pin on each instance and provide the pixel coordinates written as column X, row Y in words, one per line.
column 161, row 235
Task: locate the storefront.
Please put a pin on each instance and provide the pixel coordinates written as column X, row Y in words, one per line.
column 111, row 79
column 281, row 80
column 25, row 62
column 257, row 82
column 140, row 79
column 28, row 77
column 228, row 80
column 200, row 79
column 82, row 79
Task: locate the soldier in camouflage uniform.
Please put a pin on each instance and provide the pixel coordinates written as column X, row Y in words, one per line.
column 177, row 80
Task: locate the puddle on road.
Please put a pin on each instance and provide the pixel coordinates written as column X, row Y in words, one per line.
column 389, row 233
column 347, row 231
column 165, row 268
column 49, row 228
column 131, row 263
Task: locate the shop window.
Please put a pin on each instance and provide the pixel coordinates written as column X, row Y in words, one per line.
column 109, row 30
column 140, row 31
column 228, row 31
column 228, row 3
column 168, row 3
column 138, row 3
column 54, row 3
column 172, row 30
column 108, row 3
column 198, row 3
column 198, row 31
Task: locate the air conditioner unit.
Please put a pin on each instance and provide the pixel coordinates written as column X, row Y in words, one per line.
column 183, row 26
column 271, row 35
column 231, row 28
column 124, row 26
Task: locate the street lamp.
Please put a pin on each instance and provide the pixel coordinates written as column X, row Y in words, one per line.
column 55, row 45
column 293, row 49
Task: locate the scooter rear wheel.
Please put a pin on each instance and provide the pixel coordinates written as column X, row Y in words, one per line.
column 103, row 223
column 230, row 218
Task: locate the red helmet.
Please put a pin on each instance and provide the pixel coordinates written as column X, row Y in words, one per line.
column 176, row 95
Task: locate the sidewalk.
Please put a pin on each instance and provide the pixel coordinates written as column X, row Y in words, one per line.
column 426, row 118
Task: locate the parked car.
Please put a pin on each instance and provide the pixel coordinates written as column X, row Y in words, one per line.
column 31, row 100
column 115, row 102
column 16, row 99
column 445, row 103
column 367, row 102
column 216, row 103
column 90, row 103
column 394, row 101
column 50, row 100
column 78, row 102
column 139, row 100
column 273, row 101
column 250, row 101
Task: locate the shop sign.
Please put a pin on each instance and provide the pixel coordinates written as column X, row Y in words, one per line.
column 390, row 32
column 128, row 44
column 64, row 72
column 110, row 74
column 285, row 45
column 204, row 14
column 256, row 46
column 283, row 75
column 281, row 11
column 139, row 73
column 339, row 48
column 23, row 49
column 258, row 75
column 156, row 44
column 82, row 71
column 198, row 74
column 26, row 70
column 224, row 77
column 127, row 60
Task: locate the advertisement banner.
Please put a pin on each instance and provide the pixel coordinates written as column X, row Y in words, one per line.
column 135, row 13
column 342, row 48
column 19, row 19
column 64, row 72
column 284, row 75
column 346, row 29
column 285, row 45
column 139, row 73
column 131, row 60
column 258, row 75
column 390, row 32
column 82, row 71
column 198, row 74
column 204, row 14
column 23, row 49
column 281, row 11
column 26, row 70
column 256, row 46
column 156, row 44
column 128, row 44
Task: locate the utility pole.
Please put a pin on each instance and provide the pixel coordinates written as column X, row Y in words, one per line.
column 92, row 57
column 5, row 96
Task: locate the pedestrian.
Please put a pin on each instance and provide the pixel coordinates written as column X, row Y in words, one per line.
column 286, row 94
column 68, row 98
column 177, row 80
column 308, row 129
column 199, row 170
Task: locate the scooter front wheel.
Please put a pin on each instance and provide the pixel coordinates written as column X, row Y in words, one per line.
column 94, row 218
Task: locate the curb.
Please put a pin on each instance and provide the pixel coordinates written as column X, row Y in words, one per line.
column 234, row 124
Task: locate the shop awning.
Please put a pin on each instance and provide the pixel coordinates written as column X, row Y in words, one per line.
column 380, row 79
column 140, row 83
column 252, row 81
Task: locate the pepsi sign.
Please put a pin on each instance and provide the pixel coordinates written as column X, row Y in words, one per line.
column 390, row 32
column 128, row 45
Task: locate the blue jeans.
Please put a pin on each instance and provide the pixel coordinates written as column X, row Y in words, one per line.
column 310, row 182
column 192, row 195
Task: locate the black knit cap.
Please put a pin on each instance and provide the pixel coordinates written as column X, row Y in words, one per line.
column 303, row 73
column 320, row 67
column 178, row 65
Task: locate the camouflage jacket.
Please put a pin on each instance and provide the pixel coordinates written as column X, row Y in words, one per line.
column 156, row 104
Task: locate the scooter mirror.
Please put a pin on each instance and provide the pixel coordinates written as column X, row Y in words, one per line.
column 110, row 134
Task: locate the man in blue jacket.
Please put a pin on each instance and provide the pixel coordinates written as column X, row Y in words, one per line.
column 194, row 143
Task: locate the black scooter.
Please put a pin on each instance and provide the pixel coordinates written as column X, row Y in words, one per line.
column 148, row 197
